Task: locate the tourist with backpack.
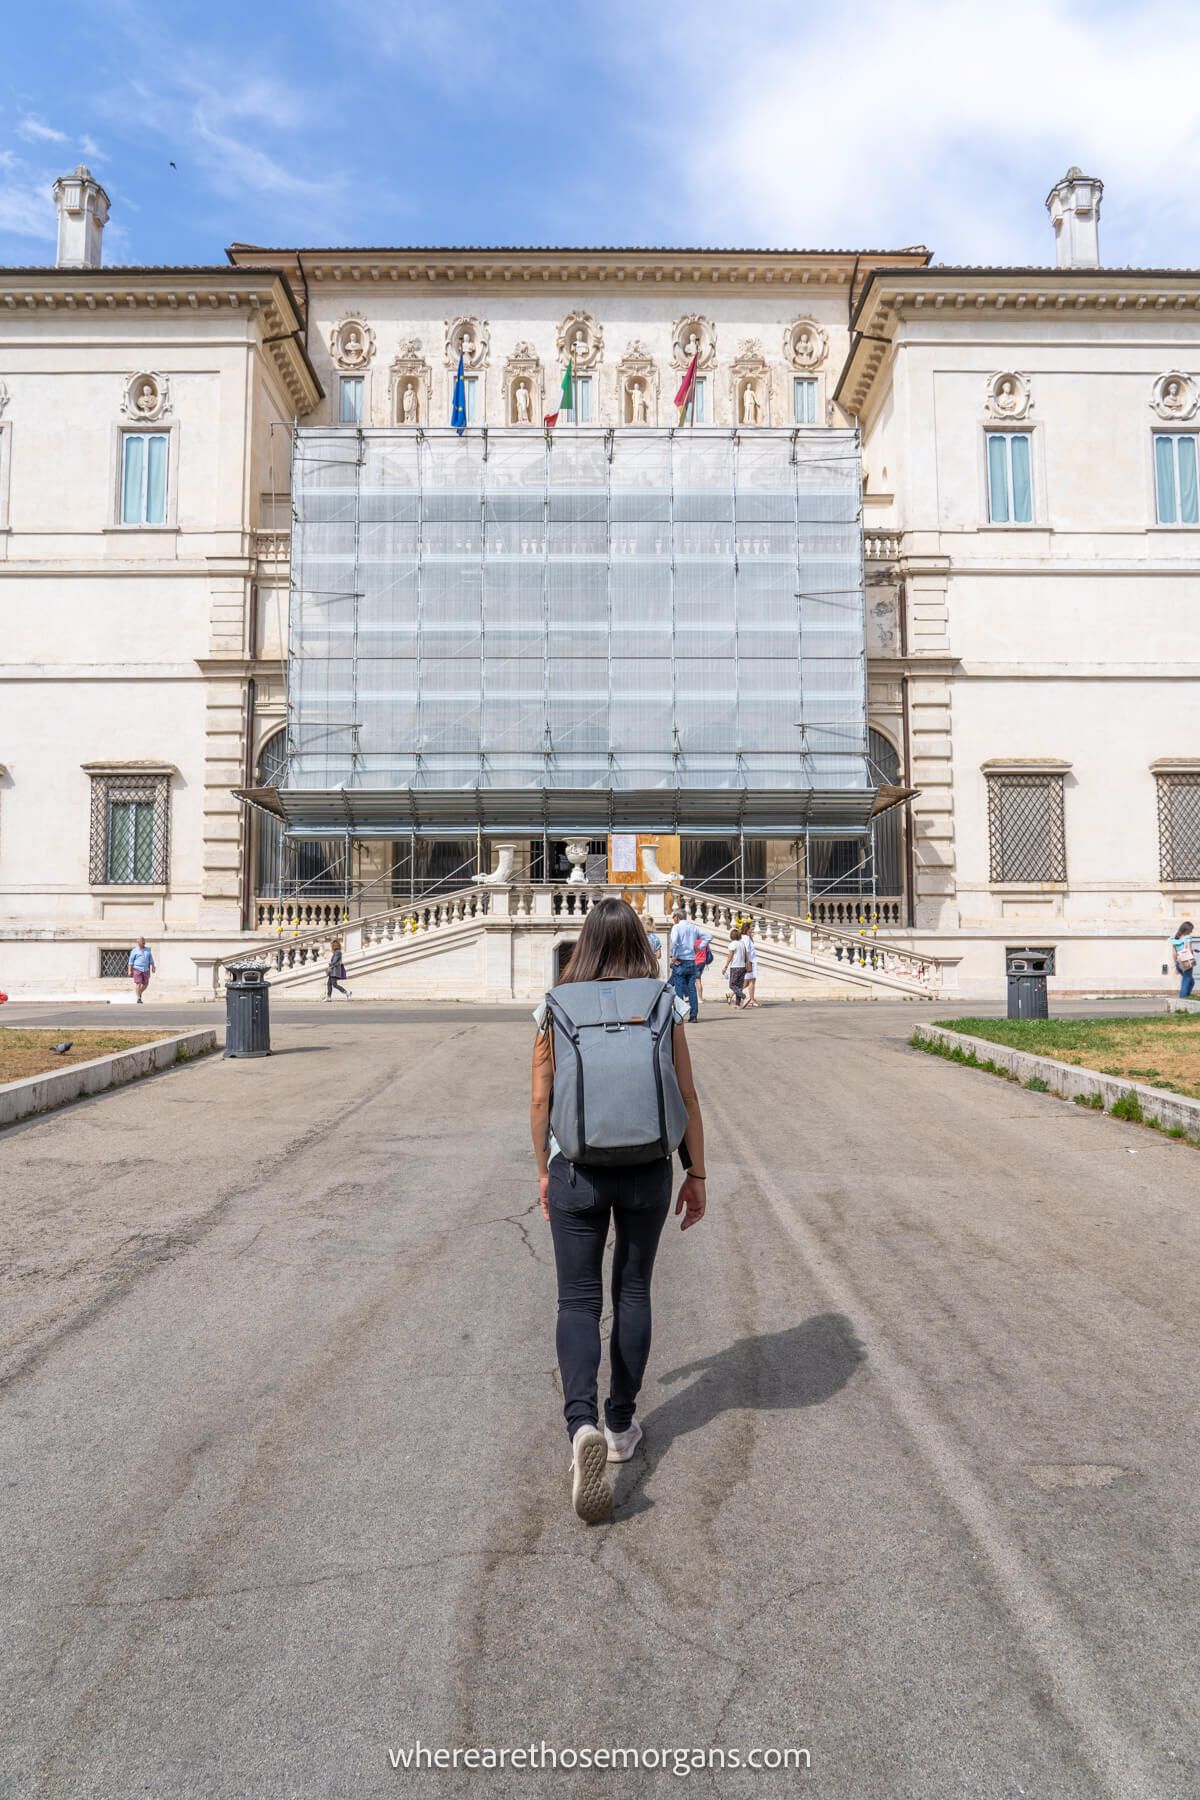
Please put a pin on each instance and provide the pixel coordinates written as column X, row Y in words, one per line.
column 737, row 963
column 612, row 1100
column 335, row 973
column 685, row 939
column 1183, row 948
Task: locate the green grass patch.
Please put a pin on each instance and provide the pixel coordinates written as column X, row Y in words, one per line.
column 1035, row 1085
column 1163, row 1049
column 1129, row 1108
column 1094, row 1101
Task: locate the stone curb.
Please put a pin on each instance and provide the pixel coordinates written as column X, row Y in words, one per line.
column 1068, row 1080
column 40, row 1093
column 1175, row 1004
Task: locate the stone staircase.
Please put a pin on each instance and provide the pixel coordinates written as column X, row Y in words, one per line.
column 503, row 943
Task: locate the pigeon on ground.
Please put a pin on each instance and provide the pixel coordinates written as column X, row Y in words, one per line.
column 61, row 1049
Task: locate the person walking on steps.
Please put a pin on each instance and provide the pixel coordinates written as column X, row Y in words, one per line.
column 612, row 1098
column 335, row 974
column 1183, row 950
column 682, row 944
column 141, row 968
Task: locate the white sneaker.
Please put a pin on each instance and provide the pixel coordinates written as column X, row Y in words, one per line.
column 622, row 1444
column 591, row 1495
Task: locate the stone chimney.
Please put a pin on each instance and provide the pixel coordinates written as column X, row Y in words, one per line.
column 82, row 215
column 1074, row 208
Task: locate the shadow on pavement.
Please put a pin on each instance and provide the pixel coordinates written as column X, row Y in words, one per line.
column 803, row 1366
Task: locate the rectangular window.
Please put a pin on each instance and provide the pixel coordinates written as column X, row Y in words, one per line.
column 1026, row 839
column 144, row 478
column 129, row 829
column 700, row 414
column 583, row 399
column 804, row 401
column 1179, row 827
column 1010, row 487
column 352, row 399
column 471, row 397
column 1175, row 478
column 114, row 965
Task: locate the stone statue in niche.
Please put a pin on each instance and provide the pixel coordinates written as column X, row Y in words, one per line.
column 751, row 405
column 693, row 336
column 805, row 344
column 468, row 338
column 637, row 403
column 522, row 403
column 1008, row 395
column 410, row 405
column 580, row 338
column 146, row 396
column 352, row 344
column 1175, row 395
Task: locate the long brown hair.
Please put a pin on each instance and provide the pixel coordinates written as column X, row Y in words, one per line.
column 612, row 946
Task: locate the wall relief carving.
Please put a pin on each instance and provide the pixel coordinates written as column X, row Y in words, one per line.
column 147, row 397
column 352, row 344
column 749, row 385
column 637, row 385
column 523, row 387
column 805, row 344
column 469, row 339
column 581, row 339
column 691, row 334
column 1175, row 396
column 410, row 385
column 1007, row 396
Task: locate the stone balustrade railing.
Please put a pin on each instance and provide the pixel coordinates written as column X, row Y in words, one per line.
column 881, row 546
column 560, row 903
column 859, row 912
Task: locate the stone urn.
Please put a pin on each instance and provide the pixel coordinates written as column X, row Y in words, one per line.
column 577, row 850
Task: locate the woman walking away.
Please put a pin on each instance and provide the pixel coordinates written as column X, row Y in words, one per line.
column 1183, row 948
column 703, row 958
column 751, row 966
column 335, row 974
column 612, row 1098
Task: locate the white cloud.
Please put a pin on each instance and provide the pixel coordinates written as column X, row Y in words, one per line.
column 943, row 121
column 26, row 209
column 34, row 131
column 91, row 148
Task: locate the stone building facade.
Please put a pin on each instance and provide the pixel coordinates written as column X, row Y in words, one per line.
column 1029, row 518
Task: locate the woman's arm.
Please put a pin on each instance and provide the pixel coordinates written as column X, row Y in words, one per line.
column 539, row 1113
column 693, row 1193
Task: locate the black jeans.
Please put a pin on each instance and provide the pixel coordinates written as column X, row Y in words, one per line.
column 581, row 1203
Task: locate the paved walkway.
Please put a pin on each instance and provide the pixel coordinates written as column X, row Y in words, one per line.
column 285, row 1474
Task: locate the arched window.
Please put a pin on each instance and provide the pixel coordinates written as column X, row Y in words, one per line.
column 286, row 867
column 842, row 866
column 884, row 762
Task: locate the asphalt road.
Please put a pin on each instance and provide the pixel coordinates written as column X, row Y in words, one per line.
column 283, row 1475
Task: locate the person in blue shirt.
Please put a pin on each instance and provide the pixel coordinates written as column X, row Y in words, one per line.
column 682, row 944
column 141, row 967
column 1183, row 949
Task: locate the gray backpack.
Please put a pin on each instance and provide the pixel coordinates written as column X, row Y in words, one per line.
column 616, row 1097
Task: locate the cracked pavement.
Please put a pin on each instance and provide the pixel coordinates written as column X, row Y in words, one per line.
column 285, row 1476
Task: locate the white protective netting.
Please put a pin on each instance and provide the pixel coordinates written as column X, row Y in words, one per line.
column 635, row 611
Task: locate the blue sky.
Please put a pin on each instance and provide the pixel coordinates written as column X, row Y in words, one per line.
column 942, row 122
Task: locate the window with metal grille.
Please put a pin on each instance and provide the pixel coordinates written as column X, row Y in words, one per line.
column 1179, row 827
column 129, row 829
column 114, row 964
column 1026, row 839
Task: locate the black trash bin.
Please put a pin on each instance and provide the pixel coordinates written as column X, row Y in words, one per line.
column 247, row 1012
column 1027, row 986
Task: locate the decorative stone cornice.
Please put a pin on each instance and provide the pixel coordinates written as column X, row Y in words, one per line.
column 263, row 295
column 893, row 296
column 586, row 267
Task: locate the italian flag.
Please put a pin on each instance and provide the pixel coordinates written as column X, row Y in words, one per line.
column 566, row 401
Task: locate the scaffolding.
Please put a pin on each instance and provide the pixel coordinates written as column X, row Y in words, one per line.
column 513, row 631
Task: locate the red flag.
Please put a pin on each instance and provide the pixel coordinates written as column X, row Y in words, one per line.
column 687, row 388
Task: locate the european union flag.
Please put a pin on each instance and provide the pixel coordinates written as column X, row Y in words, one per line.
column 458, row 412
